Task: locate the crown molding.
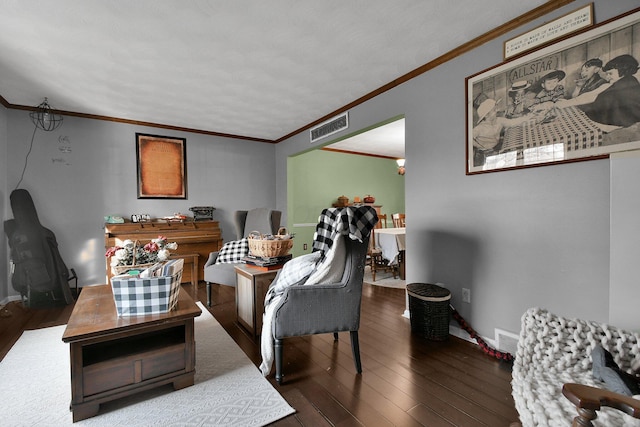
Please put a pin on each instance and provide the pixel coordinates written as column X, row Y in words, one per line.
column 460, row 50
column 548, row 7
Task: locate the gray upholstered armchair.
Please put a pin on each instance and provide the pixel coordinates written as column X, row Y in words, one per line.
column 263, row 220
column 310, row 308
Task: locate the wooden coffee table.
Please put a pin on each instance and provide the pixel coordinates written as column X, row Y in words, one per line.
column 113, row 357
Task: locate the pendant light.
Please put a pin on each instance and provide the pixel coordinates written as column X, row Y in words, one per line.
column 45, row 117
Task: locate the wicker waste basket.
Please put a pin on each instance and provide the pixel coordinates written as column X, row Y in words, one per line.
column 429, row 309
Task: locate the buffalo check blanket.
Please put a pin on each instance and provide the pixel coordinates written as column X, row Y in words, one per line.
column 354, row 221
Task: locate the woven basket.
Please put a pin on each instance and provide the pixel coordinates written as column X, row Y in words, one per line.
column 429, row 309
column 279, row 245
column 116, row 270
column 122, row 269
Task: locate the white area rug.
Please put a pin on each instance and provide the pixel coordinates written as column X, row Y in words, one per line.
column 384, row 279
column 228, row 391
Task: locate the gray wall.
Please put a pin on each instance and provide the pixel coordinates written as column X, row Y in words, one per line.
column 517, row 239
column 74, row 191
column 625, row 232
column 4, row 291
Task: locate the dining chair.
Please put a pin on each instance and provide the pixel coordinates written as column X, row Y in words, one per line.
column 375, row 260
column 372, row 248
column 398, row 219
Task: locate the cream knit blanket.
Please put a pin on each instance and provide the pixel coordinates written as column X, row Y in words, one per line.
column 552, row 351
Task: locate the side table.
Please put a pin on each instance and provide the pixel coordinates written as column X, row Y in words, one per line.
column 252, row 284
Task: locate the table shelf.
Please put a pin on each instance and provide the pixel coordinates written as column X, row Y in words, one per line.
column 132, row 346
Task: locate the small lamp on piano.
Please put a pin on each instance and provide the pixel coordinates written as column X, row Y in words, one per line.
column 401, row 168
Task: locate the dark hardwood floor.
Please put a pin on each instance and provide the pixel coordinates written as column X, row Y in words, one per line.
column 406, row 380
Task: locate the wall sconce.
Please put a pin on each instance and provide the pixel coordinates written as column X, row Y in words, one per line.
column 401, row 168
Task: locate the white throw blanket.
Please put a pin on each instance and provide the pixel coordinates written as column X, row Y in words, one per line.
column 266, row 343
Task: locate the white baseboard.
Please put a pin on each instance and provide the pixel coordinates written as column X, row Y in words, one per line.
column 462, row 334
column 8, row 299
column 458, row 332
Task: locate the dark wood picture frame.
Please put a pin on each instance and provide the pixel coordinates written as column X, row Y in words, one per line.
column 512, row 122
column 162, row 167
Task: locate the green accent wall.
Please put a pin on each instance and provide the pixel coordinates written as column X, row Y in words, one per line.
column 317, row 178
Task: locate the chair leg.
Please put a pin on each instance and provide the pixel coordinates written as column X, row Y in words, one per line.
column 208, row 294
column 278, row 356
column 355, row 349
column 335, row 336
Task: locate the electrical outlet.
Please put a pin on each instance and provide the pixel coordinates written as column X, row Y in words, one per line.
column 466, row 295
column 304, row 247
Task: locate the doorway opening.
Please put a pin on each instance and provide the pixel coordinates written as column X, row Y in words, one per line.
column 355, row 166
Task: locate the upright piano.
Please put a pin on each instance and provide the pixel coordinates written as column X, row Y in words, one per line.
column 192, row 237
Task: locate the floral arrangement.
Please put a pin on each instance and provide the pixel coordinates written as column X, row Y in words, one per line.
column 130, row 253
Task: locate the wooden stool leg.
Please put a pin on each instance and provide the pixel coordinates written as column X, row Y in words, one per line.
column 194, row 272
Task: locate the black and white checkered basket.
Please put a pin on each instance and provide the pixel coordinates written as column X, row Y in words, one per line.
column 138, row 297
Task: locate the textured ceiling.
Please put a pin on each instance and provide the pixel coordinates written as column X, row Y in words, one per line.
column 386, row 140
column 257, row 69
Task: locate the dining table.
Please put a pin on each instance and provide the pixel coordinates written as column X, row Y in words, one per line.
column 391, row 242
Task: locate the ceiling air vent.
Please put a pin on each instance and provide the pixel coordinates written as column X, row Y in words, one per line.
column 329, row 127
